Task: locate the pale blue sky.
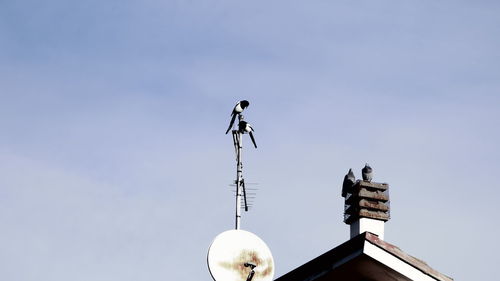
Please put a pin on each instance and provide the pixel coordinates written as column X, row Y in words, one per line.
column 114, row 163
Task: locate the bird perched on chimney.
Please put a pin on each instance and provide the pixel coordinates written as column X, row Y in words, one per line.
column 244, row 127
column 238, row 109
column 367, row 173
column 349, row 180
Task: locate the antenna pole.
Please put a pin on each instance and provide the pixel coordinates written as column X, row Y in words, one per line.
column 238, row 145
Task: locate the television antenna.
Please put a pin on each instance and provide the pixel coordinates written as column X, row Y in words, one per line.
column 239, row 255
column 241, row 194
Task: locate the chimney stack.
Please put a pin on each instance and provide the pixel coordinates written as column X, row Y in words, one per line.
column 367, row 207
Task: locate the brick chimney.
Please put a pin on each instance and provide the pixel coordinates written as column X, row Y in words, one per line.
column 367, row 207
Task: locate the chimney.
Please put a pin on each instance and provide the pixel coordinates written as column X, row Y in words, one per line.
column 367, row 207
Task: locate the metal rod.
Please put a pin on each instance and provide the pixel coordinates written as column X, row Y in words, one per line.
column 239, row 169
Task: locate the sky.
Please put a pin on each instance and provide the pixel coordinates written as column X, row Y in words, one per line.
column 114, row 165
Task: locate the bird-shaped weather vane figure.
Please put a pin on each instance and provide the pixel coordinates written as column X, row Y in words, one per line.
column 242, row 128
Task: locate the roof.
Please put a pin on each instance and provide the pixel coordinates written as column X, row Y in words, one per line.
column 364, row 257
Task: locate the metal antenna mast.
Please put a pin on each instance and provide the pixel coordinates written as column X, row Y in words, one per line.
column 241, row 128
column 238, row 145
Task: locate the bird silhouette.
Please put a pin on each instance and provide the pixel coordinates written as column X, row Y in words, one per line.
column 349, row 180
column 367, row 173
column 244, row 127
column 238, row 109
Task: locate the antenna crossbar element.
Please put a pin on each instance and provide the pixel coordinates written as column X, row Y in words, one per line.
column 244, row 194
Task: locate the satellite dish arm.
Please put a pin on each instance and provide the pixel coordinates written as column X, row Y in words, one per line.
column 252, row 272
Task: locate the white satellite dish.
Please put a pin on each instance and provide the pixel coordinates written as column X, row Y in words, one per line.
column 239, row 255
